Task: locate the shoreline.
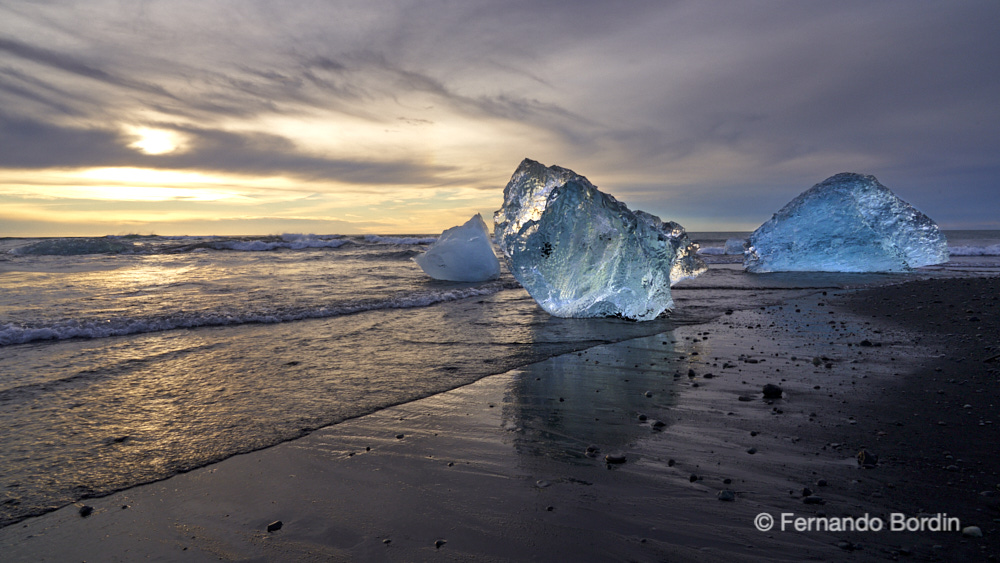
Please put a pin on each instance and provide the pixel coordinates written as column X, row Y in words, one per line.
column 516, row 450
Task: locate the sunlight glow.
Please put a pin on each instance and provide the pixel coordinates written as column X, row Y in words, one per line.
column 154, row 141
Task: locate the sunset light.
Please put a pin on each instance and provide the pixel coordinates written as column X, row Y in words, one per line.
column 154, row 141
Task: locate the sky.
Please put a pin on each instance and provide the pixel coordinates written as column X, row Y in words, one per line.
column 339, row 117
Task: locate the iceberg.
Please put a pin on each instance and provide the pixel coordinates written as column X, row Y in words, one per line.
column 463, row 253
column 735, row 246
column 581, row 253
column 846, row 223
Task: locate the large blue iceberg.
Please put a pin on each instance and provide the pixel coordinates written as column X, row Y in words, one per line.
column 463, row 253
column 581, row 253
column 846, row 223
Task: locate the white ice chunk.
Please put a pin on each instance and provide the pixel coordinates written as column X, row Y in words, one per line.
column 462, row 253
column 581, row 253
column 847, row 223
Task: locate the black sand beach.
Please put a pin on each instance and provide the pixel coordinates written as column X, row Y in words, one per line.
column 564, row 459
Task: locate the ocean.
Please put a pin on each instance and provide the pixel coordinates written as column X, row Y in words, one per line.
column 128, row 359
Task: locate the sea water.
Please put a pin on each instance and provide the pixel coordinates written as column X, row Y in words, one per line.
column 125, row 360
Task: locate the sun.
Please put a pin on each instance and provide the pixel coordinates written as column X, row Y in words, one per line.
column 154, row 141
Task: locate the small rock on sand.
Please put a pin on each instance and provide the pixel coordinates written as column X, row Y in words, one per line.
column 972, row 532
column 727, row 495
column 439, row 543
column 274, row 526
column 86, row 510
column 616, row 457
column 772, row 391
column 867, row 459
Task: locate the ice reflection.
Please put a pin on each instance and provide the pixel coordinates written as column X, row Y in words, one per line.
column 556, row 408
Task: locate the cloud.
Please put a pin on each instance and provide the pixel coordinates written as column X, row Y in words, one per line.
column 28, row 143
column 659, row 100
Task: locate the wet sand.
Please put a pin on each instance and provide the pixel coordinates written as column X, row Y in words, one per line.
column 500, row 470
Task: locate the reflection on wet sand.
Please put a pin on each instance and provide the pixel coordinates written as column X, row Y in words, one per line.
column 607, row 397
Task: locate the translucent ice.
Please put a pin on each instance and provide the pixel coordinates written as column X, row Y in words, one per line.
column 847, row 223
column 735, row 245
column 581, row 253
column 462, row 253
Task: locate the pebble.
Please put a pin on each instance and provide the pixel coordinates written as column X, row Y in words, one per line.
column 274, row 526
column 867, row 459
column 752, row 451
column 772, row 391
column 542, row 483
column 821, row 483
column 86, row 510
column 727, row 495
column 693, row 478
column 400, row 436
column 648, row 394
column 386, row 541
column 658, row 424
column 642, row 418
column 616, row 457
column 806, row 492
column 846, row 545
column 439, row 543
column 972, row 532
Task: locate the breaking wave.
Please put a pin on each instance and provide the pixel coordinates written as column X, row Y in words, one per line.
column 15, row 334
column 76, row 246
column 988, row 250
column 400, row 240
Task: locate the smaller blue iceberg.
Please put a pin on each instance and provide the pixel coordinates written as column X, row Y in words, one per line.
column 846, row 223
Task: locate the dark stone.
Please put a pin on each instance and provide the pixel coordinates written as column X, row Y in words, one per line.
column 86, row 510
column 615, row 458
column 772, row 391
column 274, row 526
column 439, row 543
column 727, row 495
column 867, row 459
